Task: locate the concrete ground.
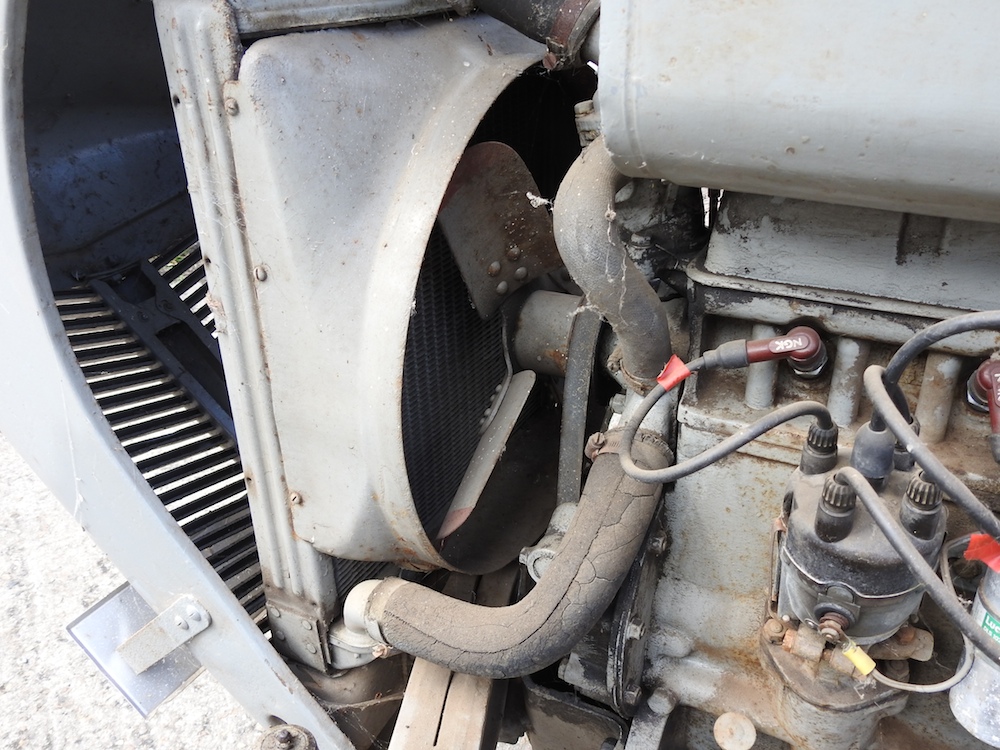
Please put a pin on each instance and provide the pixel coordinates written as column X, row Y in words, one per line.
column 51, row 695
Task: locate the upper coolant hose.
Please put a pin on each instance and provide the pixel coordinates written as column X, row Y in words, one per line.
column 603, row 539
column 588, row 241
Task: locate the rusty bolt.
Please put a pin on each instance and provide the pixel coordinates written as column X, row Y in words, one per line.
column 788, row 640
column 494, row 268
column 906, row 634
column 513, row 253
column 232, row 106
column 774, row 630
column 284, row 738
column 832, row 625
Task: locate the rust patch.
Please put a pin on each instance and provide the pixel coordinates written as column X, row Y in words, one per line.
column 558, row 357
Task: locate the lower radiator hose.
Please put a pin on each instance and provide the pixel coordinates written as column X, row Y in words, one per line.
column 603, row 539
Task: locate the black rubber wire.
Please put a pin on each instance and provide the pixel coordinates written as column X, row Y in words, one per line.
column 932, row 334
column 968, row 655
column 721, row 450
column 952, row 486
column 978, row 321
column 899, row 539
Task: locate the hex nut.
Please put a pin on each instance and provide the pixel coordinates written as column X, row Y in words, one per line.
column 286, row 737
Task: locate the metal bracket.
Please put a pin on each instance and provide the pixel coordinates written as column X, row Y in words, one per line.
column 168, row 631
column 107, row 627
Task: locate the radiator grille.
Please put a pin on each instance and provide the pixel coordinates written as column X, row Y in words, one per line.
column 190, row 463
column 453, row 366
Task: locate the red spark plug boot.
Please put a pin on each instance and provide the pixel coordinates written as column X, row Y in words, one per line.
column 984, row 395
column 801, row 346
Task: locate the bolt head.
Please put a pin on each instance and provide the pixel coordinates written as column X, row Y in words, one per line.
column 232, row 106
column 181, row 623
column 774, row 630
column 632, row 695
column 635, row 629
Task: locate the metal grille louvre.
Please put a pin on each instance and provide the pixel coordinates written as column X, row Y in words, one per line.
column 189, row 462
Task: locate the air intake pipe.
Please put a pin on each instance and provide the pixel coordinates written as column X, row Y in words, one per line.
column 588, row 242
column 603, row 539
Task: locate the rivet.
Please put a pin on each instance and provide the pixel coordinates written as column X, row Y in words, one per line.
column 306, row 625
column 521, row 273
column 279, row 635
column 194, row 614
column 181, row 623
column 260, row 273
column 494, row 268
column 310, row 648
column 232, row 106
column 502, row 287
column 295, row 498
column 275, row 612
column 513, row 253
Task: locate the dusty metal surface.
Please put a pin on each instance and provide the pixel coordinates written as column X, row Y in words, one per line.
column 497, row 224
column 201, row 51
column 705, row 94
column 343, row 256
column 258, row 17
